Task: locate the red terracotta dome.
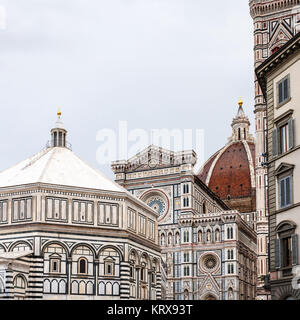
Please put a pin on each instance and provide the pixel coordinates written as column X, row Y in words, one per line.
column 230, row 172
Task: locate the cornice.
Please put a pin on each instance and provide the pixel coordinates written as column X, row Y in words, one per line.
column 261, row 8
column 275, row 60
column 68, row 229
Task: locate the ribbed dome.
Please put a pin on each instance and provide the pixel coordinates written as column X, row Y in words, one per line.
column 230, row 172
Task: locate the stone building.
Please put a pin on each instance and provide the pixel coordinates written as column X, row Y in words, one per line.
column 208, row 250
column 68, row 232
column 275, row 22
column 279, row 79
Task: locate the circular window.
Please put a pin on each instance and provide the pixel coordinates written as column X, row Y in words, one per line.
column 209, row 262
column 157, row 200
column 158, row 204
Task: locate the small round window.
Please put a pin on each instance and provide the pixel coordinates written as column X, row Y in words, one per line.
column 209, row 262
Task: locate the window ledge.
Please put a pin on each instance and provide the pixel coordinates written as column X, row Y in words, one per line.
column 286, row 268
column 286, row 208
column 279, row 105
column 283, row 154
column 109, row 276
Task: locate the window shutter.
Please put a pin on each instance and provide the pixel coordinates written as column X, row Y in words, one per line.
column 291, row 125
column 275, row 142
column 295, row 246
column 288, row 191
column 278, row 255
column 286, row 89
column 282, row 193
column 280, row 96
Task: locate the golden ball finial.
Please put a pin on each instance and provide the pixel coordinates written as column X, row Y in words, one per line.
column 240, row 103
column 59, row 112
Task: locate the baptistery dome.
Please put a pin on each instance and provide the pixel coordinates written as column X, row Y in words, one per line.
column 230, row 171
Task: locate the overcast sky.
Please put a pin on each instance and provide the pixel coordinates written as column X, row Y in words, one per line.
column 155, row 63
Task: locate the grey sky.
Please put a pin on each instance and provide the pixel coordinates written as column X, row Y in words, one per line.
column 155, row 63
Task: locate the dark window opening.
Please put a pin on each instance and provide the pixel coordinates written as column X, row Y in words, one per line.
column 287, row 252
column 82, row 266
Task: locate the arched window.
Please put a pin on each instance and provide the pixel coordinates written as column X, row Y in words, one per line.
column 239, row 134
column 133, row 262
column 131, row 270
column 217, row 235
column 208, row 236
column 177, row 238
column 200, row 236
column 162, row 239
column 82, row 266
column 55, row 259
column 154, row 270
column 204, row 207
column 109, row 262
column 286, row 246
column 109, row 267
column 19, row 282
column 143, row 269
column 170, row 239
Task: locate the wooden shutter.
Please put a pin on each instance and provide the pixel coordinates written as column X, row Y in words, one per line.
column 295, row 250
column 291, row 132
column 286, row 89
column 280, row 91
column 282, row 193
column 275, row 142
column 278, row 254
column 288, row 191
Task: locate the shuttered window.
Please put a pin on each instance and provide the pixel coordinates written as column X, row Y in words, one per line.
column 295, row 250
column 283, row 137
column 291, row 134
column 275, row 142
column 278, row 255
column 283, row 90
column 285, row 185
column 287, row 251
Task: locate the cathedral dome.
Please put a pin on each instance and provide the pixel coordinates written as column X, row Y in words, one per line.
column 230, row 171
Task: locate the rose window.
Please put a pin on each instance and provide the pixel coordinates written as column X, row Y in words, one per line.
column 158, row 204
column 209, row 262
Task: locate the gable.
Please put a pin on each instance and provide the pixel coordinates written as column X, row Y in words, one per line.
column 284, row 167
